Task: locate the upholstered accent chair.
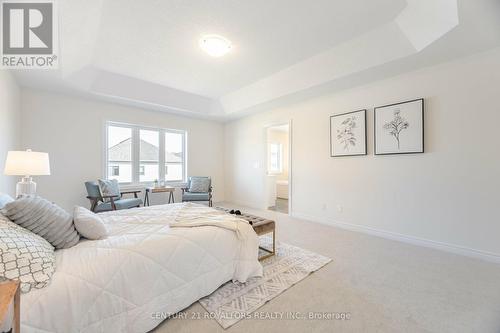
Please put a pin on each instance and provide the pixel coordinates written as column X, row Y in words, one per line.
column 198, row 189
column 100, row 203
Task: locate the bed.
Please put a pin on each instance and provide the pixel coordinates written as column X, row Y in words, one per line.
column 142, row 272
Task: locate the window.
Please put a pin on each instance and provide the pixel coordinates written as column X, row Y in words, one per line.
column 275, row 158
column 149, row 150
column 120, row 154
column 174, row 143
column 135, row 154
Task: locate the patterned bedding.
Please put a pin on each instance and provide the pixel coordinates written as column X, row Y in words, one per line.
column 143, row 271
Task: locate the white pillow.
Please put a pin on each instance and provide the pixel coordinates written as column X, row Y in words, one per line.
column 89, row 224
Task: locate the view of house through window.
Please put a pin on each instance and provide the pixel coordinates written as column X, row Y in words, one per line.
column 120, row 154
column 174, row 165
column 149, row 150
column 134, row 154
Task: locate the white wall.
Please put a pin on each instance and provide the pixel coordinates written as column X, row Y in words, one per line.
column 71, row 130
column 450, row 194
column 10, row 130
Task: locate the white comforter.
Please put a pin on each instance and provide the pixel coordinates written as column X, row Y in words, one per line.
column 142, row 272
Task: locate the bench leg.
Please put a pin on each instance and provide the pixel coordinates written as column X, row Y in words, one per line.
column 269, row 252
column 274, row 241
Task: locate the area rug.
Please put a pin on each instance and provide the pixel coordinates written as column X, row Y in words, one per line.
column 233, row 302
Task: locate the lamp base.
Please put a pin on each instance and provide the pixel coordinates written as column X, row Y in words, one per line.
column 26, row 187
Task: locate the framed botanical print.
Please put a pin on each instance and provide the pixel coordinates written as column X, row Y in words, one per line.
column 348, row 134
column 399, row 128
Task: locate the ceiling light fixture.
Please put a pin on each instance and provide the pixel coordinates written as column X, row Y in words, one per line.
column 214, row 45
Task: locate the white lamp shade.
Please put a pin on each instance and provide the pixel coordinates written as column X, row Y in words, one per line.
column 27, row 163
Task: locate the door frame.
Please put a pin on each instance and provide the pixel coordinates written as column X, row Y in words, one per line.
column 290, row 159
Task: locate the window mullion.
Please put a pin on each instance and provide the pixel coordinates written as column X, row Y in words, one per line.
column 162, row 158
column 184, row 154
column 136, row 155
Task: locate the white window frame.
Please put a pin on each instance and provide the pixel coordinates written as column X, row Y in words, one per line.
column 280, row 159
column 136, row 152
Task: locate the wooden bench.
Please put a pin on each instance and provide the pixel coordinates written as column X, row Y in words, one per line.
column 261, row 226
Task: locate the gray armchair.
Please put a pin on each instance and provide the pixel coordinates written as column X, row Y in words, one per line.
column 98, row 205
column 198, row 196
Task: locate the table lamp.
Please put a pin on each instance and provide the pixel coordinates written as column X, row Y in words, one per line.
column 26, row 163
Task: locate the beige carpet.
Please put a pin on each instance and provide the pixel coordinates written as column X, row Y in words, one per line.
column 386, row 286
column 233, row 302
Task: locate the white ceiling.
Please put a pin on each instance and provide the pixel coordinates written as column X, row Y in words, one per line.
column 145, row 53
column 159, row 43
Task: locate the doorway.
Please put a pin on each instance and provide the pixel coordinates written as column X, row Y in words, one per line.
column 278, row 168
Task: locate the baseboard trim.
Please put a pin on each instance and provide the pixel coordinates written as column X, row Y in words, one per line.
column 248, row 204
column 452, row 248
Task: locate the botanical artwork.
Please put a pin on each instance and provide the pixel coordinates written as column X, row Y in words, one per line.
column 399, row 128
column 345, row 135
column 348, row 134
column 395, row 126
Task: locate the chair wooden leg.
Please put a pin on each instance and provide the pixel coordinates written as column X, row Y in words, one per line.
column 93, row 206
column 113, row 206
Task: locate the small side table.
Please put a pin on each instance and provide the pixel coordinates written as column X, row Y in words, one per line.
column 10, row 292
column 159, row 190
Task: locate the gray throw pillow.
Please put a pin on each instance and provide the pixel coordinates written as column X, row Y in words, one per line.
column 89, row 224
column 25, row 256
column 5, row 199
column 44, row 219
column 109, row 188
column 199, row 185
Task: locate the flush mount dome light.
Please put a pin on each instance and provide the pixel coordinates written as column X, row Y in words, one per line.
column 214, row 45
